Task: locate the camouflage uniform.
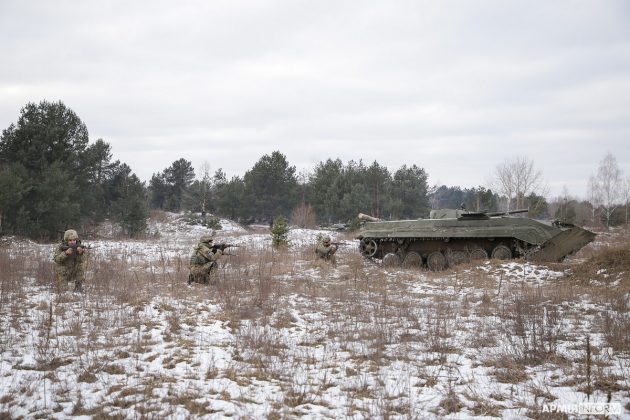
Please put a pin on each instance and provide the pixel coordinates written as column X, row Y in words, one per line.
column 326, row 250
column 70, row 267
column 203, row 261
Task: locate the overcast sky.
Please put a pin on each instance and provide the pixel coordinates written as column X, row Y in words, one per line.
column 455, row 87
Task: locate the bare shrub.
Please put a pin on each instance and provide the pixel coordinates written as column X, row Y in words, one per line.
column 615, row 327
column 441, row 324
column 11, row 278
column 297, row 394
column 451, row 403
column 534, row 326
column 510, row 375
column 304, row 216
column 482, row 406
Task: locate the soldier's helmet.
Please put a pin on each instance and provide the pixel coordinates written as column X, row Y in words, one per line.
column 326, row 240
column 70, row 235
column 206, row 239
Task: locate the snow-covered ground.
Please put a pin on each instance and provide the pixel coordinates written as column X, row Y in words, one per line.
column 282, row 334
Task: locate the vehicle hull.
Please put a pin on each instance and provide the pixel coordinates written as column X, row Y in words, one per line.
column 471, row 238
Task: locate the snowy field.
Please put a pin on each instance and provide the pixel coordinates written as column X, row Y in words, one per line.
column 282, row 334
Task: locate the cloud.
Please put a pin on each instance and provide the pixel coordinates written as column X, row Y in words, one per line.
column 455, row 87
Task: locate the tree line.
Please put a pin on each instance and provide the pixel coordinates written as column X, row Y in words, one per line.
column 52, row 178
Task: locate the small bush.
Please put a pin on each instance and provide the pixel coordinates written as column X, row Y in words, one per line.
column 279, row 232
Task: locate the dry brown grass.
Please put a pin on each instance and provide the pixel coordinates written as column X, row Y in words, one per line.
column 340, row 327
column 614, row 261
column 451, row 403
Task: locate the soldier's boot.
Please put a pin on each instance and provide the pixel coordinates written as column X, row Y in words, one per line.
column 191, row 278
column 78, row 286
column 58, row 285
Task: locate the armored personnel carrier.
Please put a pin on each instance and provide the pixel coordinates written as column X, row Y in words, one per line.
column 449, row 237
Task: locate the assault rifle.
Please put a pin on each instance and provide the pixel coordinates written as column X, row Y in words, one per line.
column 223, row 246
column 74, row 247
column 340, row 243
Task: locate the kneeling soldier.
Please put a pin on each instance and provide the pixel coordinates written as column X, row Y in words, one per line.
column 203, row 260
column 326, row 250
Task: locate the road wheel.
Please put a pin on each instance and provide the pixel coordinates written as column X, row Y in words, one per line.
column 391, row 260
column 436, row 261
column 501, row 252
column 412, row 260
column 456, row 257
column 478, row 254
column 368, row 247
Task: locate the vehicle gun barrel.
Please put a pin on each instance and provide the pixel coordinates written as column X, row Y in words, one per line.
column 501, row 213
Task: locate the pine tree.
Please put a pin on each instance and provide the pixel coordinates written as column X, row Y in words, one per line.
column 279, row 232
column 270, row 187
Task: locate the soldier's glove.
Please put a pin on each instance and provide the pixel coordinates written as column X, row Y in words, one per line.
column 69, row 251
column 79, row 250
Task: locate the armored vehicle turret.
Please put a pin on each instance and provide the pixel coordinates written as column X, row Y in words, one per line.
column 452, row 236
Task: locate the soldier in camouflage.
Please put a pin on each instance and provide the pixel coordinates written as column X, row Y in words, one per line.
column 203, row 260
column 70, row 260
column 326, row 251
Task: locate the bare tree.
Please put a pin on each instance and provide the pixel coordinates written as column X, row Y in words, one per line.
column 433, row 198
column 594, row 197
column 205, row 187
column 564, row 200
column 304, row 216
column 609, row 183
column 517, row 178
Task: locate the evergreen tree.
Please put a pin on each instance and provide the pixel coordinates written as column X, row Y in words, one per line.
column 13, row 186
column 270, row 187
column 355, row 201
column 46, row 133
column 354, row 192
column 57, row 206
column 481, row 199
column 325, row 192
column 230, row 197
column 158, row 191
column 168, row 189
column 100, row 170
column 128, row 201
column 63, row 175
column 279, row 232
column 50, row 143
column 448, row 197
column 409, row 198
column 539, row 209
column 179, row 176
